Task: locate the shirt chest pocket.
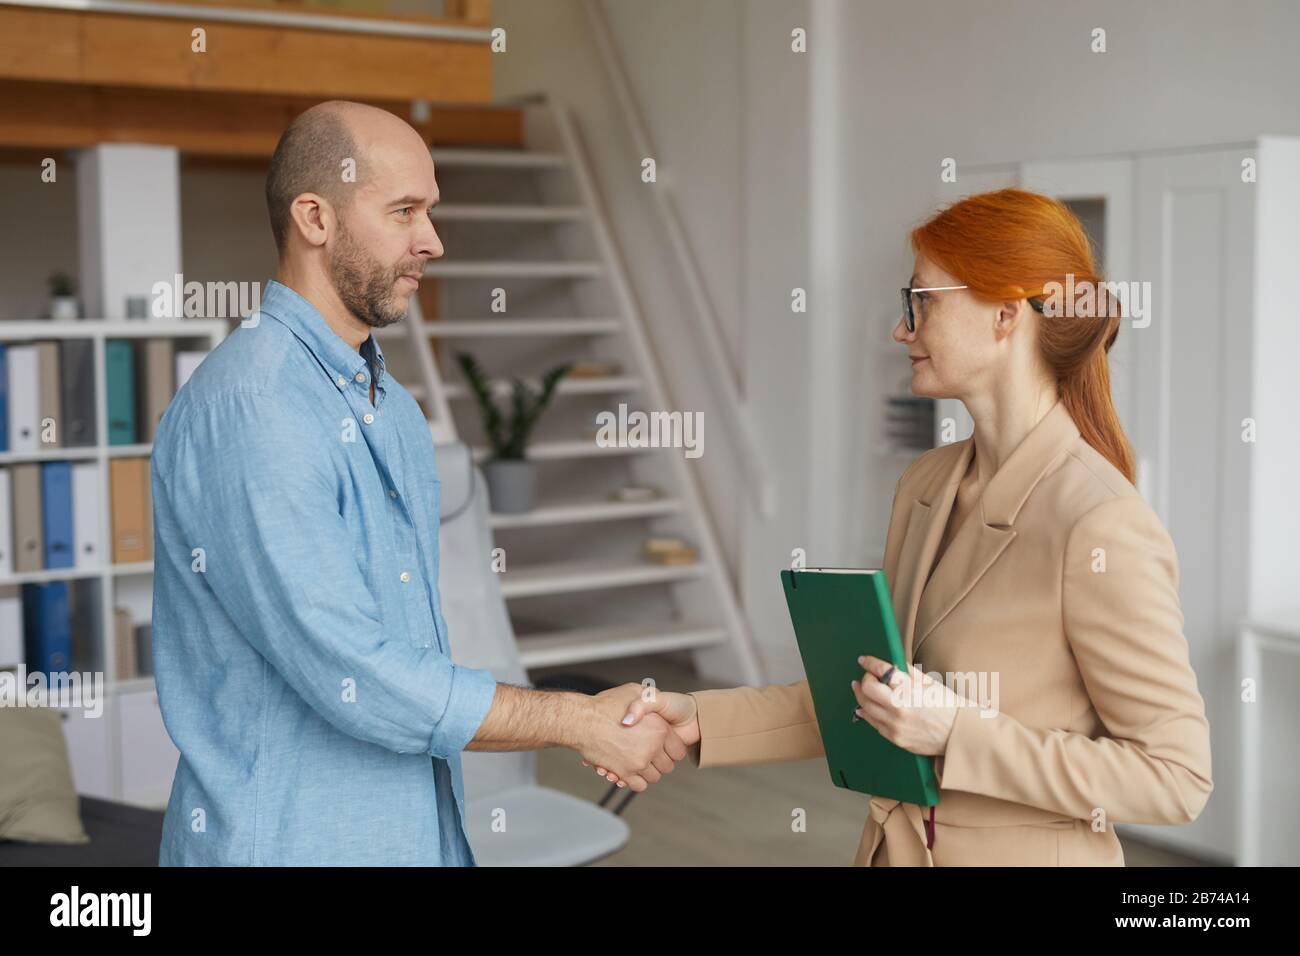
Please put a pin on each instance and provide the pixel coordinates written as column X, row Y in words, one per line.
column 391, row 528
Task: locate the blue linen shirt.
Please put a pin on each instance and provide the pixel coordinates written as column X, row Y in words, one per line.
column 299, row 646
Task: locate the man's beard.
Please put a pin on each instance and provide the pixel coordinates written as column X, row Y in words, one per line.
column 366, row 288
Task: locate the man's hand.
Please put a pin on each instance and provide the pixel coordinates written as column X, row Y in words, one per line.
column 521, row 718
column 648, row 703
column 637, row 754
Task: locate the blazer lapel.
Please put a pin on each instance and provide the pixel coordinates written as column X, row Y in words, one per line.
column 925, row 524
column 986, row 531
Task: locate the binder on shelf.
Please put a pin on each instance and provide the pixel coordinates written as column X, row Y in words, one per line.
column 29, row 545
column 6, row 527
column 144, row 649
column 24, row 423
column 77, row 359
column 85, row 627
column 87, row 547
column 157, row 380
column 124, row 644
column 119, row 362
column 56, row 514
column 47, row 627
column 48, row 401
column 11, row 626
column 4, row 398
column 132, row 522
column 146, row 493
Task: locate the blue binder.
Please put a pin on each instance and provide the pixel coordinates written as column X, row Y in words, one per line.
column 56, row 514
column 47, row 627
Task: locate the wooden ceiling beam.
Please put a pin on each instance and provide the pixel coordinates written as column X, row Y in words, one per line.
column 55, row 116
column 160, row 52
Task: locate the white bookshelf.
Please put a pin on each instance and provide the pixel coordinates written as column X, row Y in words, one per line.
column 104, row 753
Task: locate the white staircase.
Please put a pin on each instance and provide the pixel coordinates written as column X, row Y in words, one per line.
column 529, row 222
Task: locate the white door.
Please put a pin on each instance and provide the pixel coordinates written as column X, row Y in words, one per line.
column 1191, row 388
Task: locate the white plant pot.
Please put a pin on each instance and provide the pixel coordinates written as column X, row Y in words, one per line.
column 64, row 307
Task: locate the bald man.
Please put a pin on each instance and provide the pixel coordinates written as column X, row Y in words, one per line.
column 300, row 650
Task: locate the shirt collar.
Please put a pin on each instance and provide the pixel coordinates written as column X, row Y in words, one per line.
column 305, row 321
column 375, row 356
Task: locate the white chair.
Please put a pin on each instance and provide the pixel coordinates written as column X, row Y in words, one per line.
column 510, row 819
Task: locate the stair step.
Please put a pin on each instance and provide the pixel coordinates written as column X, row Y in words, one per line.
column 514, row 269
column 499, row 159
column 485, row 328
column 570, row 448
column 492, row 328
column 501, row 212
column 584, row 511
column 567, row 577
column 581, row 645
column 596, row 385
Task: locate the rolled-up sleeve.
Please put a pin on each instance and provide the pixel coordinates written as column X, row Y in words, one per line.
column 1124, row 625
column 263, row 505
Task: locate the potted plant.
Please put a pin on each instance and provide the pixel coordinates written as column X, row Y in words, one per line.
column 63, row 297
column 511, row 477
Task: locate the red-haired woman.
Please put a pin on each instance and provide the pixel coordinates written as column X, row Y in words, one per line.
column 1024, row 553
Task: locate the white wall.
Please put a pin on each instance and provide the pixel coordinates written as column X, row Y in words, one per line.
column 38, row 235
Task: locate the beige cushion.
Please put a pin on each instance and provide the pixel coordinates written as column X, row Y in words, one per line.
column 38, row 803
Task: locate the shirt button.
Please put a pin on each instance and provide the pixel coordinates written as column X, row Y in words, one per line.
column 406, row 576
column 361, row 376
column 392, row 493
column 342, row 380
column 369, row 419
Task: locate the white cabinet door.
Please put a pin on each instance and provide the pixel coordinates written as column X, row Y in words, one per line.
column 1192, row 387
column 89, row 747
column 146, row 755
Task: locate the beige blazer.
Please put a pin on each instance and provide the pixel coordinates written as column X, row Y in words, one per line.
column 1064, row 584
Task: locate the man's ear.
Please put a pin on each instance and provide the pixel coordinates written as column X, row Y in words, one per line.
column 313, row 217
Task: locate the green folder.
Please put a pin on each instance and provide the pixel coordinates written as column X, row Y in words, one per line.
column 840, row 614
column 119, row 357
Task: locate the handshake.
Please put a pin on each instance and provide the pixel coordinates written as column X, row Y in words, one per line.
column 640, row 735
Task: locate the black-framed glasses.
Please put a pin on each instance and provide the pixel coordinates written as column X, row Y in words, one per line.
column 910, row 315
column 908, row 292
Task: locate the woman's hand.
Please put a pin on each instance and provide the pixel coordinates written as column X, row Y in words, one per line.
column 918, row 719
column 640, row 701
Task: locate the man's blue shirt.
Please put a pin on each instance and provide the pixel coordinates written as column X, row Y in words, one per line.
column 300, row 651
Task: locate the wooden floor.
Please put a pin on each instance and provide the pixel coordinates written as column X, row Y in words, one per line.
column 735, row 816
